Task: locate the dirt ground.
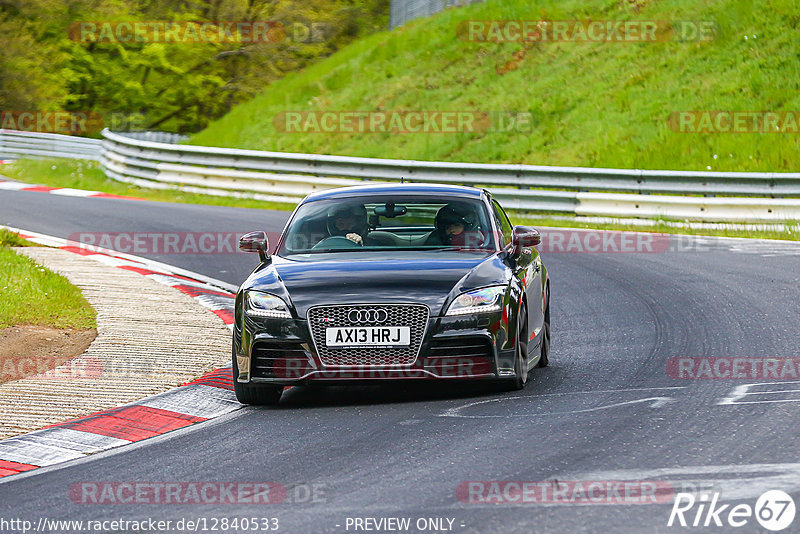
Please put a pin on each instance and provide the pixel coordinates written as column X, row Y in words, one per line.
column 35, row 350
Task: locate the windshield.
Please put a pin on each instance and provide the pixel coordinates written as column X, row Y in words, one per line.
column 388, row 223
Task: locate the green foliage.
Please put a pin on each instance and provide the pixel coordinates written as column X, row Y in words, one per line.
column 12, row 239
column 31, row 294
column 593, row 104
column 156, row 85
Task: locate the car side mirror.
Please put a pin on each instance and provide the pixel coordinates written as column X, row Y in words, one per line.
column 256, row 242
column 523, row 237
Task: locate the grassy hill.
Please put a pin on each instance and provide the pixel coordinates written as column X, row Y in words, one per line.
column 593, row 103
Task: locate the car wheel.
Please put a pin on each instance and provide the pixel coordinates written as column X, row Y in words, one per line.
column 261, row 395
column 545, row 357
column 520, row 358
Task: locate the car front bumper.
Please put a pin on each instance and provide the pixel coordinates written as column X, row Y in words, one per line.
column 282, row 352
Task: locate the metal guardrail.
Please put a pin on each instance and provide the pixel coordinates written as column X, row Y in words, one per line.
column 287, row 177
column 15, row 144
column 210, row 170
column 157, row 137
column 580, row 191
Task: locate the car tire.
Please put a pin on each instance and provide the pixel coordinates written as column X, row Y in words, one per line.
column 520, row 379
column 260, row 395
column 544, row 359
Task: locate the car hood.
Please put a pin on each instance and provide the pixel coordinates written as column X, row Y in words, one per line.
column 428, row 277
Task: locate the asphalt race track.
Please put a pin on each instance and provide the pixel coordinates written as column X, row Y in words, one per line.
column 605, row 410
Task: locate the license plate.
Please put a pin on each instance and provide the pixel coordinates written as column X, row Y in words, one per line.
column 368, row 336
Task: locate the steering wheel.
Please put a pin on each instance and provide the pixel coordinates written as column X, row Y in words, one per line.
column 336, row 241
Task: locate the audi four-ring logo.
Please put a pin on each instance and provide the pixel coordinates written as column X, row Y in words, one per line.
column 367, row 316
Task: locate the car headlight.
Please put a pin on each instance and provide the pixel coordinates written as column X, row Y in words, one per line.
column 259, row 304
column 483, row 300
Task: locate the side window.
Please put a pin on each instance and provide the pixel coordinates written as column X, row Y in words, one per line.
column 502, row 219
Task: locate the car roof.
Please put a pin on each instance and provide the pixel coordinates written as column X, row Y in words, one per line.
column 395, row 189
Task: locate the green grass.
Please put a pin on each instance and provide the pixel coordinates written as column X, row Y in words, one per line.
column 594, row 104
column 85, row 174
column 33, row 295
column 12, row 239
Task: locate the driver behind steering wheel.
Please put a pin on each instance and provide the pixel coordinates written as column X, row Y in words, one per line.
column 349, row 222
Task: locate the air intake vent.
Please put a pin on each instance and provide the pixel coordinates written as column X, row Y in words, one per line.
column 465, row 356
column 279, row 360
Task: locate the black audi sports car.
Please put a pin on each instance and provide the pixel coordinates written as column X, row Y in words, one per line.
column 391, row 282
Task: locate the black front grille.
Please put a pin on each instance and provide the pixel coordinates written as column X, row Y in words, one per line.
column 460, row 346
column 459, row 356
column 414, row 316
column 279, row 360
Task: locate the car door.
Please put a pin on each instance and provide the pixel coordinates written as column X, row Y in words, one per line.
column 528, row 272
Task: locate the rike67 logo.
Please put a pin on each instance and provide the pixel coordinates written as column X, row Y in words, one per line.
column 774, row 510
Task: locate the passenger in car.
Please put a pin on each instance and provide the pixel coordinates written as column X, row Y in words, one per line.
column 456, row 227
